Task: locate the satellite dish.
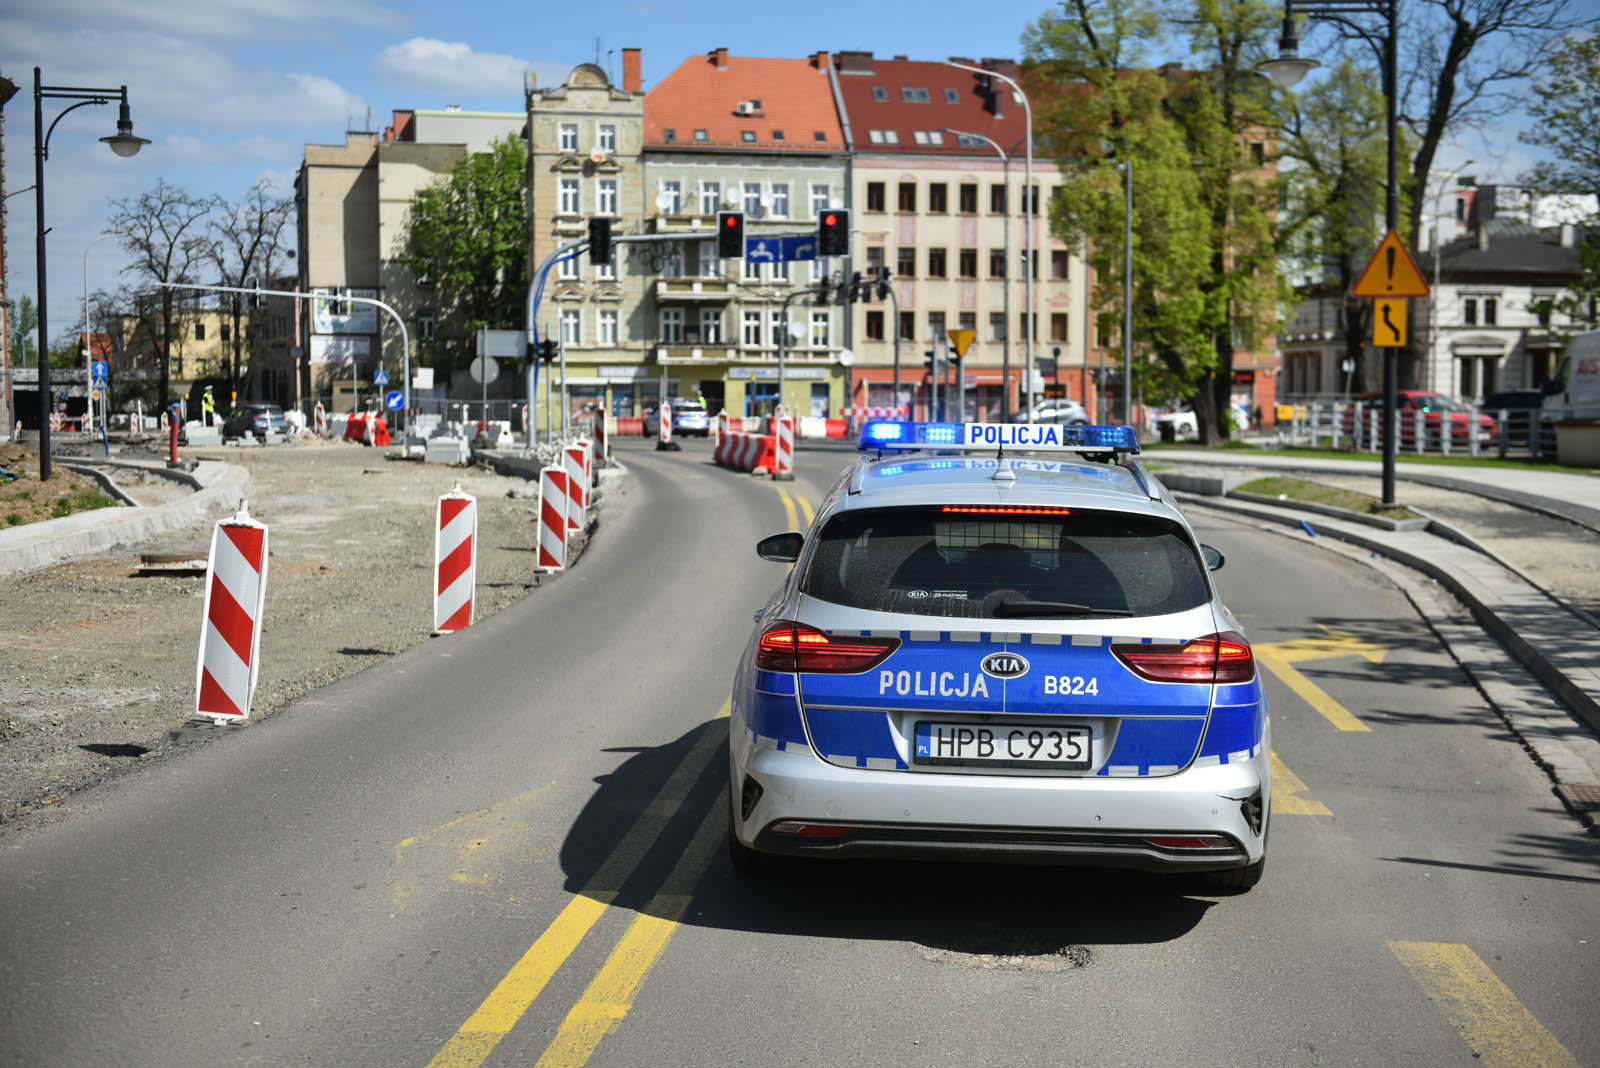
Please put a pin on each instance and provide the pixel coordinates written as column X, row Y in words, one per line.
column 797, row 330
column 846, row 357
column 663, row 202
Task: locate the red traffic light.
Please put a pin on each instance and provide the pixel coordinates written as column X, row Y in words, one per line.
column 830, row 219
column 730, row 220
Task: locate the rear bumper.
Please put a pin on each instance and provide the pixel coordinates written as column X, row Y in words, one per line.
column 1090, row 821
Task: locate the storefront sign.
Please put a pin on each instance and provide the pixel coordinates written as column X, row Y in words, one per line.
column 770, row 374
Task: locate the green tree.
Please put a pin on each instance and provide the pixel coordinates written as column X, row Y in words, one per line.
column 1205, row 279
column 24, row 320
column 468, row 236
column 245, row 242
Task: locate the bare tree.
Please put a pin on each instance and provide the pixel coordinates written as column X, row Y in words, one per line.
column 166, row 238
column 244, row 241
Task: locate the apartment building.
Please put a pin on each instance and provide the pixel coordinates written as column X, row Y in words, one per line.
column 939, row 199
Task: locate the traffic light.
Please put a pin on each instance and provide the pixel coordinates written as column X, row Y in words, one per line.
column 858, row 290
column 599, row 241
column 730, row 235
column 833, row 232
column 883, row 283
column 547, row 350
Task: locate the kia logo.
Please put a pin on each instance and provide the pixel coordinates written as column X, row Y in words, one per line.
column 1005, row 665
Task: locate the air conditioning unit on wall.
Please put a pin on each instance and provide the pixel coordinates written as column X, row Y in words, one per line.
column 744, row 107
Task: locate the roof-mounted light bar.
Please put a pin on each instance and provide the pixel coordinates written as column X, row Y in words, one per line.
column 899, row 435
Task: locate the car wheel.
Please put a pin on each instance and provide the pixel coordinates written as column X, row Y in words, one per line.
column 747, row 861
column 1239, row 880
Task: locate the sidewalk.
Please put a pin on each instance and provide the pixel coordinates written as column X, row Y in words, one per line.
column 1553, row 641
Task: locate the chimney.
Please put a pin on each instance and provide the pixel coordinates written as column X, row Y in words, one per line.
column 821, row 60
column 632, row 70
column 1569, row 235
column 720, row 57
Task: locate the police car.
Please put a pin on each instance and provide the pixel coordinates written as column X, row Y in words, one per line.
column 1000, row 642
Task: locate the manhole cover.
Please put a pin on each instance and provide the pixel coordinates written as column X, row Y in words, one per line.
column 1580, row 798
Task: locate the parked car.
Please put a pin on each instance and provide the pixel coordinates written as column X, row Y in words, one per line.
column 1521, row 408
column 1055, row 410
column 1171, row 426
column 256, row 417
column 688, row 417
column 1432, row 411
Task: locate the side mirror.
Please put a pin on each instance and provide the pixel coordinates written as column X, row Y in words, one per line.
column 781, row 548
column 1213, row 557
column 1550, row 387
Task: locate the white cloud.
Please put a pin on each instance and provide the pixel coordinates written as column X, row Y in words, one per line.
column 238, row 19
column 450, row 67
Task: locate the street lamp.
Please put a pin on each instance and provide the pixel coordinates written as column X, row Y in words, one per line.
column 88, row 334
column 123, row 143
column 1433, row 298
column 1286, row 71
column 1028, row 237
column 1005, row 285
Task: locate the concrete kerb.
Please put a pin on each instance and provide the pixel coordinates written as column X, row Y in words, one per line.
column 1582, row 703
column 219, row 488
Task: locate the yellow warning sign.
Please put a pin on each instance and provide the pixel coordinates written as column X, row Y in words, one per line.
column 1388, row 322
column 962, row 340
column 1391, row 273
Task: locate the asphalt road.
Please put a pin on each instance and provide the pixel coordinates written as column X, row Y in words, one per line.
column 505, row 847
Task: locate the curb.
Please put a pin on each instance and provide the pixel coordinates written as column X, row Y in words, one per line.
column 42, row 544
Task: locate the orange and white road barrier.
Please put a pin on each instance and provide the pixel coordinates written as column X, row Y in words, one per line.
column 455, row 561
column 230, row 639
column 602, row 439
column 55, row 420
column 574, row 462
column 724, row 427
column 553, row 511
column 665, row 430
column 783, row 453
column 321, row 417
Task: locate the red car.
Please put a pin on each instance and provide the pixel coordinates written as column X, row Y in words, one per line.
column 1414, row 408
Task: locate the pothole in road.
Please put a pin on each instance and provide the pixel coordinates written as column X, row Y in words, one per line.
column 1006, row 948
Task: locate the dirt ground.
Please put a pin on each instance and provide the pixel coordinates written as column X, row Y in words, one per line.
column 24, row 499
column 98, row 661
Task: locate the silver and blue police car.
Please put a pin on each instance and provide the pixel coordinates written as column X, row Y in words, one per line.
column 1000, row 642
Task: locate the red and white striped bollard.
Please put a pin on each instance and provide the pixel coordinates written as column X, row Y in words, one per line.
column 455, row 561
column 230, row 636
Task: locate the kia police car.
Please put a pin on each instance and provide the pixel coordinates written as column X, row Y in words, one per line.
column 1000, row 642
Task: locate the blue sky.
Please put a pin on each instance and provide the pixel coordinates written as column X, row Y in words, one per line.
column 231, row 91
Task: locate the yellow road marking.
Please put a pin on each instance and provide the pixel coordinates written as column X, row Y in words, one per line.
column 1497, row 1027
column 805, row 506
column 788, row 510
column 609, row 998
column 510, row 998
column 1281, row 665
column 1286, row 791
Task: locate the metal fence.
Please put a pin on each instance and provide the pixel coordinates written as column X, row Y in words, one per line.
column 1345, row 424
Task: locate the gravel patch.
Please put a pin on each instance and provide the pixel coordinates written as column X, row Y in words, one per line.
column 99, row 661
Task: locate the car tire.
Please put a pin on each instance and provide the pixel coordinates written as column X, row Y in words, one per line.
column 747, row 861
column 1239, row 880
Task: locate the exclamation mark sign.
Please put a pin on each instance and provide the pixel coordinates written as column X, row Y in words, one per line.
column 1389, row 255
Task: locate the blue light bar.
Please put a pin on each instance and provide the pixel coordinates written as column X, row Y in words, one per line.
column 976, row 437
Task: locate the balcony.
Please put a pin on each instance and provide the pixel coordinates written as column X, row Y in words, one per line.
column 700, row 290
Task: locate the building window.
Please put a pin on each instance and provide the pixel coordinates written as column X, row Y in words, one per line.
column 606, row 326
column 571, row 327
column 914, row 96
column 567, row 268
column 710, row 197
column 952, row 96
column 425, row 326
column 606, row 197
column 777, row 329
column 997, row 200
column 997, row 263
column 908, row 326
column 752, row 200
column 672, row 326
column 1491, row 314
column 874, row 196
column 908, row 263
column 936, row 264
column 969, row 263
column 752, row 329
column 1022, row 324
column 711, row 326
column 969, row 321
column 748, row 136
column 699, row 135
column 938, row 197
column 820, row 195
column 571, row 197
column 874, row 262
column 1058, row 326
column 1469, row 311
column 780, row 270
column 670, row 202
column 821, row 329
column 968, row 202
column 669, row 135
column 606, row 272
column 199, row 331
column 1060, row 262
column 997, row 326
column 874, row 326
column 1258, row 153
column 224, row 331
column 710, row 266
column 1029, row 265
column 927, row 137
column 780, row 200
column 569, row 137
column 777, row 135
column 908, row 196
column 879, row 93
column 935, row 325
column 606, row 137
column 883, row 137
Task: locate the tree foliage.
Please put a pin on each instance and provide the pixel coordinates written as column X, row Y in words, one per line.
column 1204, row 260
column 245, row 241
column 468, row 236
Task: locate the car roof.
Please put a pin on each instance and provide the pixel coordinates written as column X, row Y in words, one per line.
column 1059, row 480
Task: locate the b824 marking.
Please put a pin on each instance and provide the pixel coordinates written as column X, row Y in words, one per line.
column 1072, row 685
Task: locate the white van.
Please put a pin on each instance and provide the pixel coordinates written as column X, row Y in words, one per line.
column 1573, row 392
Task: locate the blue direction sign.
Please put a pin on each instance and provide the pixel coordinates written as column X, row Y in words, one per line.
column 98, row 370
column 780, row 249
column 394, row 400
column 380, row 377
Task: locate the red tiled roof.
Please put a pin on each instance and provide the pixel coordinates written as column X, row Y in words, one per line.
column 861, row 74
column 793, row 96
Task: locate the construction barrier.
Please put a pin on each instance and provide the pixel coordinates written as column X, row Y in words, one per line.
column 572, row 459
column 553, row 511
column 724, row 425
column 783, row 449
column 746, row 452
column 602, row 438
column 369, row 428
column 630, row 426
column 230, row 636
column 665, row 425
column 875, row 411
column 455, row 561
column 321, row 420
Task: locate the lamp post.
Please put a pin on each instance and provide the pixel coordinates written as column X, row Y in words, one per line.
column 1433, row 297
column 123, row 143
column 88, row 334
column 1286, row 71
column 1126, row 166
column 1005, row 286
column 1028, row 235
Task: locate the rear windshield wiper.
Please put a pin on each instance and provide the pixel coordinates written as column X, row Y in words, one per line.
column 1023, row 607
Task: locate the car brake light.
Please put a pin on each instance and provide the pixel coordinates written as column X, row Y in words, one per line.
column 1220, row 658
column 1001, row 509
column 1187, row 842
column 791, row 646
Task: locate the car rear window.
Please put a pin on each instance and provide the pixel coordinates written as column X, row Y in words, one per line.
column 1050, row 565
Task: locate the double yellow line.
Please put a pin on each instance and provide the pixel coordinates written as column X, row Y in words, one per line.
column 610, row 996
column 791, row 514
